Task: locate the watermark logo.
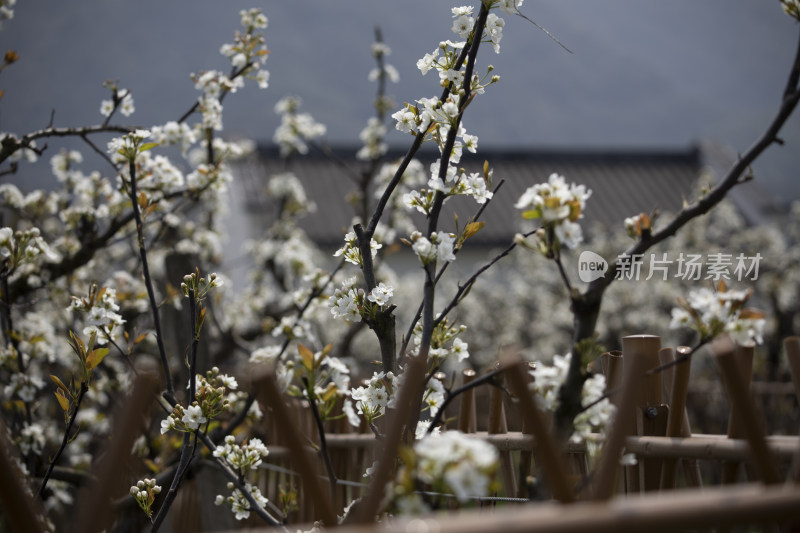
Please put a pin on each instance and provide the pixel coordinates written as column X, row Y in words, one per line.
column 591, row 266
column 685, row 266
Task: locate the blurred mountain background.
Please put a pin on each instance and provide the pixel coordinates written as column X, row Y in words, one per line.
column 643, row 73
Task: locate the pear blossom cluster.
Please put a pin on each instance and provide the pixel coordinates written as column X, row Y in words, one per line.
column 174, row 134
column 638, row 225
column 127, row 147
column 289, row 191
column 559, row 206
column 372, row 398
column 456, row 182
column 351, row 252
column 438, row 248
column 199, row 285
column 145, row 492
column 122, row 100
column 240, row 506
column 372, row 136
column 547, row 381
column 347, row 301
column 247, row 54
column 6, row 10
column 791, row 8
column 100, row 312
column 714, row 312
column 352, row 303
column 211, row 400
column 448, row 463
column 31, row 439
column 445, row 342
column 296, row 128
column 435, row 118
column 242, row 457
column 24, row 247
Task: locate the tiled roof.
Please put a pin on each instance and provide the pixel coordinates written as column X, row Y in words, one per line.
column 623, row 183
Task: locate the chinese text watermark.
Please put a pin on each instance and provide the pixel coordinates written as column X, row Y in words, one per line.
column 686, row 266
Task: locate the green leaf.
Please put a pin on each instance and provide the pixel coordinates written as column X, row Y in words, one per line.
column 59, row 383
column 95, row 357
column 63, row 401
column 473, row 228
column 307, row 356
column 532, row 214
column 147, row 146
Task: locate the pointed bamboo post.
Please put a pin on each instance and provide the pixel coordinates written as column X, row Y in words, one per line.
column 646, row 414
column 743, row 356
column 678, row 421
column 612, row 368
column 741, row 402
column 498, row 426
column 467, row 417
column 525, row 456
column 606, row 473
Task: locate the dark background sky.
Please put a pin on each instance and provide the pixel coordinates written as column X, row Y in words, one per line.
column 644, row 73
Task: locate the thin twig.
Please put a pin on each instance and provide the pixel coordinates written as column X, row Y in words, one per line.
column 323, row 446
column 64, row 441
column 148, row 281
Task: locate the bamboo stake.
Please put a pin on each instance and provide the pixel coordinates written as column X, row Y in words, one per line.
column 525, row 456
column 548, row 455
column 467, row 417
column 677, row 409
column 612, row 368
column 647, row 475
column 498, row 425
column 744, row 359
column 739, row 397
column 612, row 449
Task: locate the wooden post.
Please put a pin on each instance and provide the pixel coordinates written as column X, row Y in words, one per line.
column 743, row 356
column 678, row 421
column 467, row 418
column 741, row 402
column 498, row 425
column 606, row 473
column 647, row 414
column 525, row 456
